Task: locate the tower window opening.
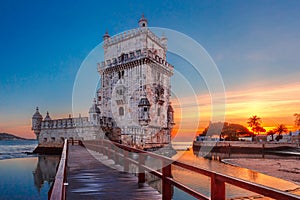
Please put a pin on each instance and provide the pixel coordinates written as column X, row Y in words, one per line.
column 131, row 55
column 121, row 111
column 143, row 24
column 125, row 57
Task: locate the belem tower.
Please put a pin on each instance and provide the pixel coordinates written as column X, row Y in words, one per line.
column 132, row 105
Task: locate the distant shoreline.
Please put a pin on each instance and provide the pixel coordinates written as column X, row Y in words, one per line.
column 11, row 137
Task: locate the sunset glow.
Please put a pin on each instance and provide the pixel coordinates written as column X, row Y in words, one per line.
column 274, row 105
column 257, row 59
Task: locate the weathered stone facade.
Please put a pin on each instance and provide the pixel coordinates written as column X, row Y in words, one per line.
column 52, row 132
column 133, row 101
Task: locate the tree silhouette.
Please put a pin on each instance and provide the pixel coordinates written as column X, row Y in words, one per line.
column 229, row 131
column 281, row 128
column 297, row 119
column 254, row 123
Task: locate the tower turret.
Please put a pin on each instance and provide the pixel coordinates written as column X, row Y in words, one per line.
column 164, row 41
column 47, row 118
column 144, row 111
column 37, row 119
column 143, row 22
column 106, row 37
column 170, row 116
column 94, row 113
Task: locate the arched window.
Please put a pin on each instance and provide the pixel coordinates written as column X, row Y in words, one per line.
column 121, row 111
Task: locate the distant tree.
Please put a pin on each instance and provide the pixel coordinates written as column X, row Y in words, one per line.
column 254, row 123
column 297, row 119
column 229, row 131
column 281, row 128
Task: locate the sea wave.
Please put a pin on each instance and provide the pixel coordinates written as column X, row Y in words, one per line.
column 16, row 148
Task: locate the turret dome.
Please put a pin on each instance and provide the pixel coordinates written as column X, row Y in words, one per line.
column 47, row 118
column 143, row 22
column 106, row 35
column 94, row 108
column 37, row 114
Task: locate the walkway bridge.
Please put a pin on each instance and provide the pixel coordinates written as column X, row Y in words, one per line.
column 86, row 171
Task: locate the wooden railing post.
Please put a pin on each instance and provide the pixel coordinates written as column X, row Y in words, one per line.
column 166, row 185
column 126, row 162
column 114, row 153
column 217, row 188
column 100, row 146
column 141, row 176
column 107, row 151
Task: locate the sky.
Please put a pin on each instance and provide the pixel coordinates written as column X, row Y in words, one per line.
column 254, row 44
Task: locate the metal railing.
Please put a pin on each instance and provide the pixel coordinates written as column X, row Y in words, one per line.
column 218, row 180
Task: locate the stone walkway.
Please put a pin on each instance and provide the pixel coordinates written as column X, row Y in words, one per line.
column 88, row 178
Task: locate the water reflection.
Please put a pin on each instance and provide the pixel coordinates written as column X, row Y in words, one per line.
column 45, row 170
column 227, row 155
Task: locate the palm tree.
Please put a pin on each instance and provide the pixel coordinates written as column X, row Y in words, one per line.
column 255, row 123
column 297, row 119
column 281, row 128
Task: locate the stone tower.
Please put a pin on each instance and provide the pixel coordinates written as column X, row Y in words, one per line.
column 135, row 85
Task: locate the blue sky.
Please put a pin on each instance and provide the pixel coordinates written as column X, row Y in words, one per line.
column 42, row 44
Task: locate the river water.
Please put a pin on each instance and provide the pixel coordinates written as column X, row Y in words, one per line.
column 25, row 176
column 30, row 176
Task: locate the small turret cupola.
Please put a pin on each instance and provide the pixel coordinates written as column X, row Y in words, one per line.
column 37, row 114
column 106, row 36
column 47, row 118
column 143, row 22
column 164, row 41
column 144, row 111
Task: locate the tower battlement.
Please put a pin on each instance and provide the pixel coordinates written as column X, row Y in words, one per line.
column 129, row 58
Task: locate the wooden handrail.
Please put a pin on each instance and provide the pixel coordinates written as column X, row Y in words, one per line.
column 58, row 189
column 218, row 180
